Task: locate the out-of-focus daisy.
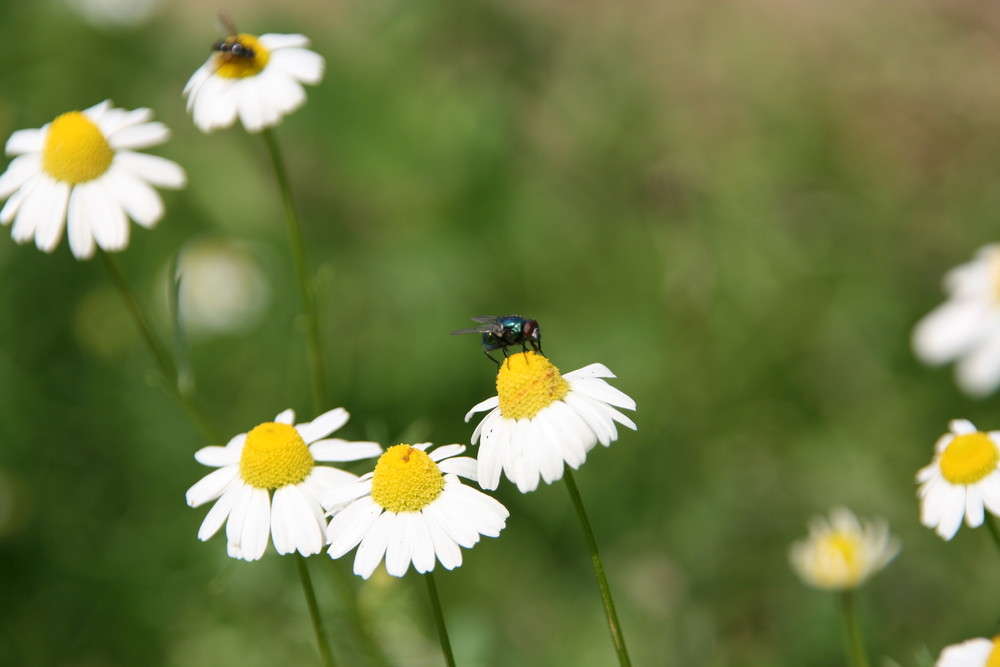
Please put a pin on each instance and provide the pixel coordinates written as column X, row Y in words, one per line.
column 541, row 419
column 412, row 509
column 963, row 478
column 966, row 327
column 82, row 169
column 275, row 459
column 222, row 287
column 256, row 78
column 979, row 652
column 842, row 553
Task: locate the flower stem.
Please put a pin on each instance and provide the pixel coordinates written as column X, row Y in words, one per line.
column 449, row 658
column 317, row 621
column 602, row 580
column 991, row 523
column 308, row 293
column 852, row 629
column 160, row 354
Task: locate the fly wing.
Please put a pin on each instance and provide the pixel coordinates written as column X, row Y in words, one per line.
column 485, row 318
column 482, row 328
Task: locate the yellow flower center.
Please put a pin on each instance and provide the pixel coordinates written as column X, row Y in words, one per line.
column 248, row 58
column 969, row 458
column 406, row 480
column 275, row 455
column 993, row 660
column 843, row 548
column 527, row 383
column 75, row 151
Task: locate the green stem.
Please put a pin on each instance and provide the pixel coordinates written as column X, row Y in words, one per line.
column 317, row 621
column 449, row 658
column 160, row 354
column 852, row 629
column 991, row 523
column 314, row 340
column 602, row 580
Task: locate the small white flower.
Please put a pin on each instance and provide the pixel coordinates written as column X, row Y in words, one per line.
column 412, row 509
column 275, row 456
column 966, row 327
column 963, row 478
column 82, row 168
column 979, row 652
column 540, row 420
column 842, row 553
column 258, row 79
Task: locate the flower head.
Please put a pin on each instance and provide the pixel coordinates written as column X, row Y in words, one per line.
column 412, row 508
column 842, row 553
column 541, row 419
column 82, row 169
column 267, row 481
column 963, row 478
column 966, row 327
column 256, row 78
column 979, row 652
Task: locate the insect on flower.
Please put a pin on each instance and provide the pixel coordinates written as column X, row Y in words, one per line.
column 499, row 333
column 233, row 47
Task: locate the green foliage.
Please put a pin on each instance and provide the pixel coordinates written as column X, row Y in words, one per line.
column 740, row 208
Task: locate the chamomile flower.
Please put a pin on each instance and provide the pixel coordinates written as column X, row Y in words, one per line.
column 540, row 420
column 412, row 509
column 979, row 652
column 966, row 327
column 81, row 172
column 256, row 78
column 963, row 478
column 267, row 483
column 842, row 553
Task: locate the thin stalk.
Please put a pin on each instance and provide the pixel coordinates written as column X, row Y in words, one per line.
column 317, row 621
column 314, row 340
column 602, row 579
column 852, row 629
column 991, row 523
column 449, row 658
column 159, row 352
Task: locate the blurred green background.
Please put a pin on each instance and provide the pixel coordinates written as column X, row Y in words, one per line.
column 741, row 207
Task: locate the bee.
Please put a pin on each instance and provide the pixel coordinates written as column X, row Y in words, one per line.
column 499, row 333
column 232, row 48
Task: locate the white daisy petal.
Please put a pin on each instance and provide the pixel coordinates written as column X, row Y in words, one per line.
column 464, row 466
column 423, row 546
column 399, row 550
column 348, row 527
column 298, row 522
column 211, row 486
column 218, row 514
column 76, row 189
column 373, row 545
column 842, row 553
column 553, row 420
column 336, row 449
column 324, row 425
column 286, row 417
column 256, row 525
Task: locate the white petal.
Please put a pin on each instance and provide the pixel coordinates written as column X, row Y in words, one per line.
column 483, row 406
column 301, row 64
column 273, row 41
column 256, row 526
column 958, row 427
column 300, row 531
column 219, row 512
column 343, row 494
column 336, row 449
column 154, row 169
column 285, row 417
column 211, row 486
column 348, row 527
column 445, row 548
column 19, row 171
column 974, row 513
column 81, row 238
column 139, row 200
column 949, row 330
column 978, row 372
column 399, row 549
column 423, row 546
column 107, row 218
column 491, row 450
column 215, row 456
column 322, row 426
column 51, row 217
column 446, row 451
column 372, row 547
column 141, row 136
column 466, row 466
column 26, row 141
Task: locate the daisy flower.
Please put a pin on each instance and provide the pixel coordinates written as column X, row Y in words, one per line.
column 966, row 327
column 540, row 420
column 963, row 478
column 979, row 652
column 82, row 168
column 275, row 459
column 258, row 79
column 842, row 553
column 412, row 509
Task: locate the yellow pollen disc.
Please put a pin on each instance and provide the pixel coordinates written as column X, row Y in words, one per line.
column 844, row 548
column 75, row 151
column 232, row 66
column 274, row 456
column 406, row 480
column 994, row 658
column 527, row 383
column 969, row 458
